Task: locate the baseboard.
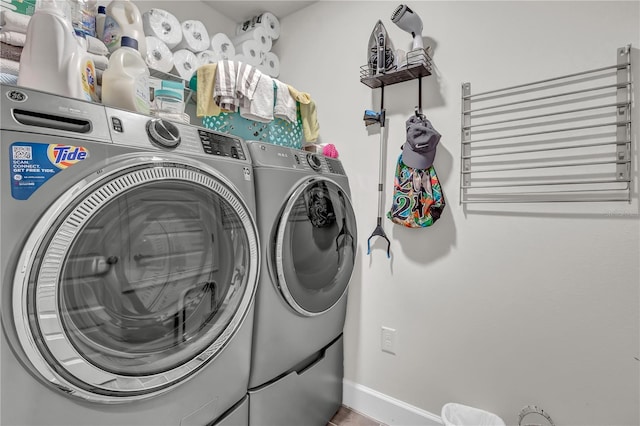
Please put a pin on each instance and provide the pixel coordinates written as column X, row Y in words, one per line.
column 384, row 408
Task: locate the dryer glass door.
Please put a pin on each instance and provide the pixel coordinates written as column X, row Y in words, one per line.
column 315, row 243
column 140, row 280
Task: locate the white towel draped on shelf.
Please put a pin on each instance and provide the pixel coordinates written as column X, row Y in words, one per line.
column 285, row 107
column 261, row 107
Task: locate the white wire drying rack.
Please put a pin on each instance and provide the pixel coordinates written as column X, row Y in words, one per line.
column 562, row 139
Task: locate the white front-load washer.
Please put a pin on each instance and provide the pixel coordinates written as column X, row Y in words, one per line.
column 307, row 230
column 129, row 260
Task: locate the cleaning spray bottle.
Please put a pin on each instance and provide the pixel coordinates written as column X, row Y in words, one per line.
column 53, row 60
column 123, row 18
column 100, row 18
column 125, row 82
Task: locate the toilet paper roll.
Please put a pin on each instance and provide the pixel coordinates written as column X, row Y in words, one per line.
column 185, row 63
column 266, row 20
column 251, row 50
column 207, row 57
column 258, row 34
column 163, row 25
column 194, row 36
column 221, row 45
column 262, row 68
column 159, row 56
column 247, row 60
column 271, row 63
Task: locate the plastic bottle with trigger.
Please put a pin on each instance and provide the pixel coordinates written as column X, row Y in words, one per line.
column 100, row 18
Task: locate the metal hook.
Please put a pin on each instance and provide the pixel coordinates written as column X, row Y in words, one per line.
column 344, row 231
column 380, row 233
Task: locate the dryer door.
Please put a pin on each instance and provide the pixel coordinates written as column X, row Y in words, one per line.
column 136, row 278
column 315, row 244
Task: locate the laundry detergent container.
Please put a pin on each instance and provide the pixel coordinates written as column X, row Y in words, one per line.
column 462, row 415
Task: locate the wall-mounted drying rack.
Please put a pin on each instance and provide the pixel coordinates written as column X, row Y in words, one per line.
column 562, row 139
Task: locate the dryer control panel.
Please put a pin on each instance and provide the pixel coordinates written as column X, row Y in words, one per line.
column 269, row 155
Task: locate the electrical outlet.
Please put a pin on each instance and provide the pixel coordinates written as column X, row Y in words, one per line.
column 388, row 340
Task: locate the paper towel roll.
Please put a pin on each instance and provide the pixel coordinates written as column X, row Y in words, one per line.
column 251, row 50
column 266, row 20
column 271, row 63
column 222, row 46
column 163, row 25
column 194, row 36
column 158, row 57
column 259, row 34
column 185, row 63
column 207, row 57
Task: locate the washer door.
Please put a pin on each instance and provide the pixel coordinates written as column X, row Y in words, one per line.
column 315, row 244
column 135, row 279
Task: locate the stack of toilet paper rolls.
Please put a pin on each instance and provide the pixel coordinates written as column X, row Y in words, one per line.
column 173, row 46
column 253, row 41
column 181, row 47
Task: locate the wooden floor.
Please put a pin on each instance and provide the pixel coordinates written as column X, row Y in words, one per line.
column 347, row 417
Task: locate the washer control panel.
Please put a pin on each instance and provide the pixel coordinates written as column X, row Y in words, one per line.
column 218, row 144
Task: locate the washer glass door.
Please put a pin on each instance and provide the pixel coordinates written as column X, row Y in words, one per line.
column 315, row 244
column 140, row 281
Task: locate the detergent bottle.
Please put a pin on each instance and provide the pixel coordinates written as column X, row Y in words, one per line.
column 83, row 16
column 123, row 18
column 53, row 59
column 100, row 18
column 125, row 82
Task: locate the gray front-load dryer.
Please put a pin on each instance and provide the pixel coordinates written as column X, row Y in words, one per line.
column 307, row 230
column 129, row 261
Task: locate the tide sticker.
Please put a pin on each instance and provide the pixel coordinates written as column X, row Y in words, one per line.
column 33, row 164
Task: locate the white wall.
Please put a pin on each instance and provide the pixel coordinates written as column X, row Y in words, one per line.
column 496, row 307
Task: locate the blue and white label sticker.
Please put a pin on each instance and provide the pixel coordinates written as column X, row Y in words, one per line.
column 32, row 164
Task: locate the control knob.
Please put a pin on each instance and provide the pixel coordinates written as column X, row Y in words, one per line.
column 163, row 133
column 314, row 161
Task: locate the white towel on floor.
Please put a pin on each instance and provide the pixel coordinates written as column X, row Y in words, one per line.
column 246, row 83
column 261, row 107
column 285, row 105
